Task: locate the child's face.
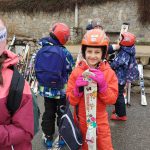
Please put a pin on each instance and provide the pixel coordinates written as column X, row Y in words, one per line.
column 93, row 56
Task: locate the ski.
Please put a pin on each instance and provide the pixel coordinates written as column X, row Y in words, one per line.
column 10, row 47
column 141, row 78
column 125, row 93
column 30, row 69
column 128, row 94
column 34, row 86
column 79, row 58
column 26, row 58
column 90, row 95
column 23, row 60
column 124, row 28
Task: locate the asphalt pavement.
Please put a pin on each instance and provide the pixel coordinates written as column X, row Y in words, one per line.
column 134, row 134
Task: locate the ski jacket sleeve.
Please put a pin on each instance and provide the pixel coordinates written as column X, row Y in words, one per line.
column 111, row 93
column 121, row 60
column 70, row 87
column 69, row 62
column 20, row 128
column 110, row 49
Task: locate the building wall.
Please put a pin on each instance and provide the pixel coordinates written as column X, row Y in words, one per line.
column 112, row 15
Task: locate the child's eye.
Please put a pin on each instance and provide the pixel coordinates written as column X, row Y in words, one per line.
column 89, row 51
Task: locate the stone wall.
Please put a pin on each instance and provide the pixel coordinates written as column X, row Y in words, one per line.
column 111, row 14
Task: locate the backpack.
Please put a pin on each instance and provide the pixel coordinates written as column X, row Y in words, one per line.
column 133, row 72
column 69, row 131
column 15, row 97
column 50, row 66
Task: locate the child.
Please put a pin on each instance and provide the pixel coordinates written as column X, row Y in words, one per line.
column 126, row 70
column 94, row 50
column 54, row 98
column 94, row 24
column 16, row 132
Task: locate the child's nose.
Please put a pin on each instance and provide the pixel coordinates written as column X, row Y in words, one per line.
column 93, row 55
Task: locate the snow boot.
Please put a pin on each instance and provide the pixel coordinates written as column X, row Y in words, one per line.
column 47, row 140
column 116, row 117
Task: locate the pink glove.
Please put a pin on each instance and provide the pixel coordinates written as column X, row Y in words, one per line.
column 79, row 84
column 99, row 78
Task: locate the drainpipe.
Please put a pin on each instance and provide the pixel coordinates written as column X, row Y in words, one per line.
column 76, row 15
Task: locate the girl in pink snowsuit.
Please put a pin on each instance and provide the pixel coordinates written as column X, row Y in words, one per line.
column 16, row 132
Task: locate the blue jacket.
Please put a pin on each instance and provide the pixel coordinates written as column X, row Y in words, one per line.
column 55, row 93
column 125, row 64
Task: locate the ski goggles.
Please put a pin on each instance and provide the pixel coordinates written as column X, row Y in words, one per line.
column 3, row 34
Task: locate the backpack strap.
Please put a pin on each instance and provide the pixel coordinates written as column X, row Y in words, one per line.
column 15, row 91
column 77, row 113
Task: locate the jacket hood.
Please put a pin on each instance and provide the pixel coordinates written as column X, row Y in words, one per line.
column 47, row 41
column 11, row 60
column 130, row 50
column 102, row 66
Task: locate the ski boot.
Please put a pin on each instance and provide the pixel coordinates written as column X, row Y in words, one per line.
column 59, row 144
column 47, row 141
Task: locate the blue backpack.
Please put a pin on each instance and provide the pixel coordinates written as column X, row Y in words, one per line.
column 50, row 66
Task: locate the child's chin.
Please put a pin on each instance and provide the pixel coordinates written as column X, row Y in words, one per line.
column 93, row 63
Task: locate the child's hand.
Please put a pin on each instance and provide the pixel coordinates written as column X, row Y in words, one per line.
column 78, row 85
column 99, row 78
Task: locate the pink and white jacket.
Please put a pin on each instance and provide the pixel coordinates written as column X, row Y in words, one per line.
column 16, row 131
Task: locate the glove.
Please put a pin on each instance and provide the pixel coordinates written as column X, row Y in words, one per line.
column 99, row 78
column 79, row 85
